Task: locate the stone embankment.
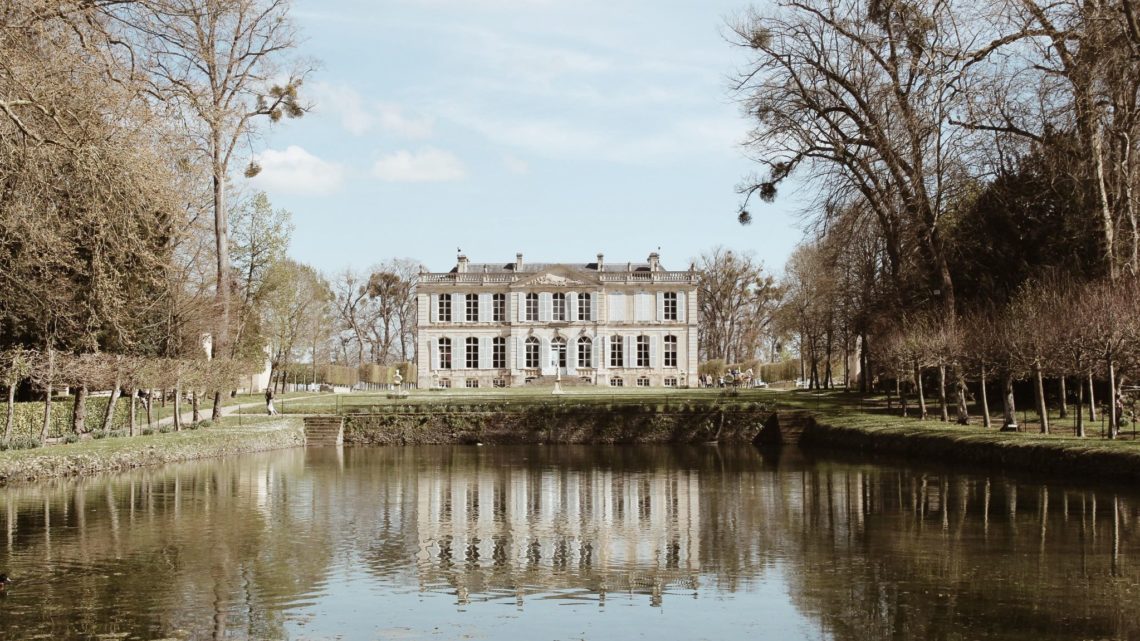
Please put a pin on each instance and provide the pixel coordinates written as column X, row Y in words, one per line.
column 117, row 454
column 969, row 446
column 557, row 423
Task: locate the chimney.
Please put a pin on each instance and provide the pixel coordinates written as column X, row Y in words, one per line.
column 462, row 266
column 655, row 262
column 601, row 262
column 518, row 262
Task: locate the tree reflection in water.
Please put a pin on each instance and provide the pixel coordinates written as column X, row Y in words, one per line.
column 254, row 546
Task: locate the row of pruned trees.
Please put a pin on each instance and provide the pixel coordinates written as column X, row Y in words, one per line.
column 139, row 378
column 1052, row 330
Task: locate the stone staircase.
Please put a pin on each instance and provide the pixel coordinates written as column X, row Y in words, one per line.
column 784, row 428
column 323, row 431
column 567, row 382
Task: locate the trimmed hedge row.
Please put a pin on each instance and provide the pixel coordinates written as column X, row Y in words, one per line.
column 29, row 418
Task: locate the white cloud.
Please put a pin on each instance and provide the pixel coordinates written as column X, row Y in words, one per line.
column 393, row 120
column 516, row 165
column 359, row 117
column 426, row 165
column 296, row 171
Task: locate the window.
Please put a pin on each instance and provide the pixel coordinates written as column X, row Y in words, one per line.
column 443, row 311
column 499, row 308
column 445, row 353
column 472, row 308
column 559, row 300
column 471, row 382
column 616, row 382
column 558, row 346
column 584, row 307
column 643, row 382
column 670, row 351
column 499, row 352
column 472, row 353
column 532, row 353
column 616, row 356
column 585, row 352
column 445, row 383
column 643, row 351
column 499, row 382
column 671, row 382
column 670, row 306
column 532, row 307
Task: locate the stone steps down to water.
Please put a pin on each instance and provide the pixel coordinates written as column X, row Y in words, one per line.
column 323, row 431
column 784, row 428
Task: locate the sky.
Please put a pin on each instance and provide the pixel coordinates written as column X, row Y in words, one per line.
column 555, row 128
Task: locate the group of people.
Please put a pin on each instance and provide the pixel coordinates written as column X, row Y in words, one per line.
column 732, row 378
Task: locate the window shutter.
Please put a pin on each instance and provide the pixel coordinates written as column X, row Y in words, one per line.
column 520, row 352
column 544, row 353
column 458, row 310
column 660, row 306
column 600, row 352
column 571, row 306
column 594, row 306
column 516, row 301
column 544, row 307
column 571, row 357
column 681, row 307
column 433, row 353
column 484, row 308
column 653, row 351
column 433, row 310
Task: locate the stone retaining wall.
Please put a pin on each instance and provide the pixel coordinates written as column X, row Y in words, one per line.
column 676, row 423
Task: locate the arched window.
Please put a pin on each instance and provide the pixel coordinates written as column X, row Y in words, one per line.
column 558, row 350
column 585, row 352
column 584, row 307
column 472, row 352
column 532, row 353
column 643, row 351
column 445, row 353
column 617, row 357
column 670, row 351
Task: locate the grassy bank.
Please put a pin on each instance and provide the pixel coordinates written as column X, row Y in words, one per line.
column 112, row 454
column 863, row 424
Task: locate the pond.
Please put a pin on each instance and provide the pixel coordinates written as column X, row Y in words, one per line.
column 566, row 543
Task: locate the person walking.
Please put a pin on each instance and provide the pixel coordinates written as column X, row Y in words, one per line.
column 269, row 401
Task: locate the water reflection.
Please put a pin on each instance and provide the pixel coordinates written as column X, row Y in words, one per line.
column 687, row 543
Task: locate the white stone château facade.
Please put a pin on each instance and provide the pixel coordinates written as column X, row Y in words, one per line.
column 496, row 325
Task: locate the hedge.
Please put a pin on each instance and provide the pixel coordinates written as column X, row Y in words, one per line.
column 29, row 417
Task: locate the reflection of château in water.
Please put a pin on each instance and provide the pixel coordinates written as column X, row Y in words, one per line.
column 516, row 529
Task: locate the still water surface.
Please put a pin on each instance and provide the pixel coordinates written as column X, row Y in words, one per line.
column 566, row 543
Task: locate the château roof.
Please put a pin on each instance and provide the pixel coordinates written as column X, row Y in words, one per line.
column 531, row 268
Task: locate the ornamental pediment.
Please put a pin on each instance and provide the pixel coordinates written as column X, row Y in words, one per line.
column 555, row 280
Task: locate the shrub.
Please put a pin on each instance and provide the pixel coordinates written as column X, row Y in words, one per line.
column 98, row 434
column 71, row 437
column 21, row 442
column 165, row 428
column 117, row 434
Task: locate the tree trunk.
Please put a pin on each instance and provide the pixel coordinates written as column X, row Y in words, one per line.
column 1112, row 418
column 1064, row 401
column 943, row 409
column 985, row 402
column 919, row 392
column 79, row 411
column 109, row 415
column 1092, row 400
column 132, row 424
column 196, row 406
column 10, row 421
column 47, row 399
column 149, row 408
column 1080, row 409
column 178, row 407
column 962, row 391
column 1009, row 410
column 1039, row 398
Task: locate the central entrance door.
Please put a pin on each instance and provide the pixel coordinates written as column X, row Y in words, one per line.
column 558, row 353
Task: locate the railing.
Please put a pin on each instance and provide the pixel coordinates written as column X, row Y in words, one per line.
column 478, row 278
